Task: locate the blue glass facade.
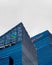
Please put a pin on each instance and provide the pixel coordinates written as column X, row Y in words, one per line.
column 11, row 46
column 42, row 43
column 17, row 48
column 16, row 44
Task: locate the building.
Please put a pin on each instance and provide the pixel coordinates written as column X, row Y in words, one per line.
column 16, row 48
column 43, row 44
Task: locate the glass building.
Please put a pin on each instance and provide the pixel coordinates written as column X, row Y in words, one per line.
column 16, row 48
column 43, row 43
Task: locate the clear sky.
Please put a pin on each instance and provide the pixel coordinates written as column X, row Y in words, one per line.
column 36, row 15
